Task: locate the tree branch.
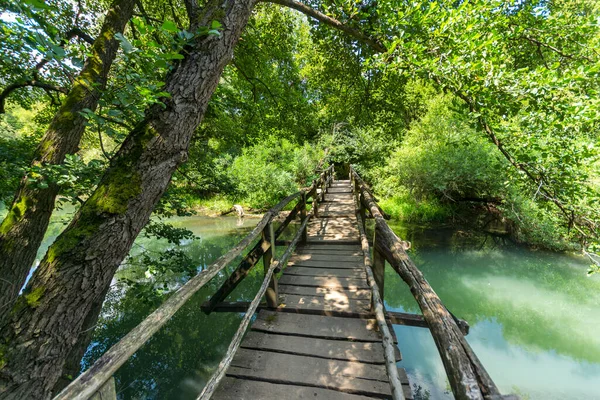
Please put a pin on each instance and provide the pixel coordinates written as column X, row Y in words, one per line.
column 148, row 19
column 554, row 49
column 311, row 12
column 250, row 79
column 193, row 11
column 74, row 32
column 31, row 83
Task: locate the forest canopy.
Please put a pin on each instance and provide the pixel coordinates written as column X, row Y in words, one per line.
column 485, row 111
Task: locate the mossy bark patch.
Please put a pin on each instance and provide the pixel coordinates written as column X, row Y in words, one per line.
column 15, row 214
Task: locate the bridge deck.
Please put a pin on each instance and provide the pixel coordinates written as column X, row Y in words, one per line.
column 322, row 342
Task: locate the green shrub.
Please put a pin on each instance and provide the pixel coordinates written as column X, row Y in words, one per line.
column 442, row 156
column 406, row 208
column 266, row 173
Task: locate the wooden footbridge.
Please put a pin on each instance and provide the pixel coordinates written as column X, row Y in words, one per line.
column 323, row 331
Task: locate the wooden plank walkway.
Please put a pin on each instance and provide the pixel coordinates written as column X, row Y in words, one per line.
column 322, row 342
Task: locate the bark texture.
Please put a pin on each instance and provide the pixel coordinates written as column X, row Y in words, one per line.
column 23, row 229
column 79, row 266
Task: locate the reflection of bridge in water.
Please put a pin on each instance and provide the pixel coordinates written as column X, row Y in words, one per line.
column 323, row 332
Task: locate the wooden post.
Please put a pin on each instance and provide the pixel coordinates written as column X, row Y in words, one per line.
column 378, row 267
column 363, row 214
column 271, row 294
column 316, row 199
column 357, row 192
column 304, row 236
column 323, row 186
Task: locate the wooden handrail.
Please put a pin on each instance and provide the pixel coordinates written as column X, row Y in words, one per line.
column 251, row 259
column 380, row 313
column 467, row 376
column 214, row 380
column 92, row 380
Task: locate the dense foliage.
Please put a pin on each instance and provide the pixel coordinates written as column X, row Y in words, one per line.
column 483, row 106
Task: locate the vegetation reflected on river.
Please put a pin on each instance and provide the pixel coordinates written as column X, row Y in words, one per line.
column 179, row 359
column 534, row 317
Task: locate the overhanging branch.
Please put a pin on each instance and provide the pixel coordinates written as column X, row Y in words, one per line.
column 319, row 16
column 31, row 83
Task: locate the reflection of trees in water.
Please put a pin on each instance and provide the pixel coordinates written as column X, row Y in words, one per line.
column 459, row 268
column 420, row 393
column 177, row 360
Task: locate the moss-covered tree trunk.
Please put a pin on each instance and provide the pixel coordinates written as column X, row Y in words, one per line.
column 79, row 266
column 23, row 228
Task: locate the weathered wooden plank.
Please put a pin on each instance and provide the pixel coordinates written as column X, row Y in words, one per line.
column 334, row 214
column 316, row 250
column 339, row 189
column 329, row 247
column 344, row 210
column 357, row 294
column 346, row 239
column 245, row 389
column 325, row 282
column 325, row 240
column 344, row 376
column 317, row 264
column 332, row 272
column 338, row 197
column 326, row 257
column 339, row 230
column 345, row 222
column 367, row 352
column 339, row 303
column 335, row 205
column 363, row 330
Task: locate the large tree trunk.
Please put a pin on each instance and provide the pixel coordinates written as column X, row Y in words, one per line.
column 79, row 266
column 24, row 226
column 72, row 365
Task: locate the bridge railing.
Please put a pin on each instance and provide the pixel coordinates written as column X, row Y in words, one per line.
column 467, row 376
column 98, row 383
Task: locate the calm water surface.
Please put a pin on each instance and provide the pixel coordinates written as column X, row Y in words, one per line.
column 534, row 316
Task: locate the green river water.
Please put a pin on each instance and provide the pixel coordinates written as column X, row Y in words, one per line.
column 534, row 317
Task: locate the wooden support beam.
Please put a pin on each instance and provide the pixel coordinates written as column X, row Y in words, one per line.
column 379, row 270
column 303, row 218
column 396, row 318
column 271, row 293
column 246, row 265
column 315, row 204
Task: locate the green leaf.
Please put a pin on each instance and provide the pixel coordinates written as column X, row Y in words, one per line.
column 169, row 26
column 174, row 56
column 127, row 47
column 38, row 4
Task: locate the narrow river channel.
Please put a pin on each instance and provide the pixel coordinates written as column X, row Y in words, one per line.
column 534, row 316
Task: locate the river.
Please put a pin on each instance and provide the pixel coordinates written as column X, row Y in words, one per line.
column 534, row 316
